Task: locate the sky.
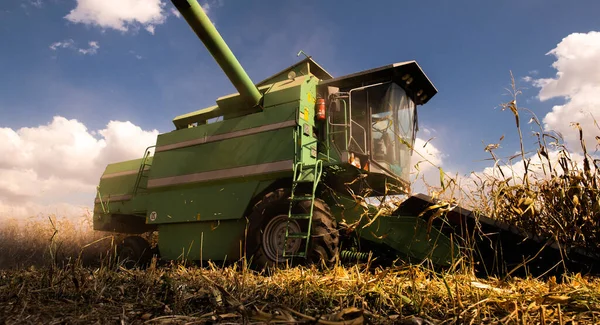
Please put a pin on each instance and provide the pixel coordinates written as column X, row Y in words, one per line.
column 88, row 82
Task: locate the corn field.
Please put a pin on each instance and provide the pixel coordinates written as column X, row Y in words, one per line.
column 57, row 271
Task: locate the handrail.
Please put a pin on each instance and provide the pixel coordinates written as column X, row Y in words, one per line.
column 350, row 104
column 346, row 128
column 100, row 199
column 143, row 165
column 364, row 137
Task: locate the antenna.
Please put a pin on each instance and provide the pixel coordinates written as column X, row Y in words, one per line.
column 302, row 52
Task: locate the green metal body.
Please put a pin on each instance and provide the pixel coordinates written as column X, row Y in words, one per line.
column 204, row 177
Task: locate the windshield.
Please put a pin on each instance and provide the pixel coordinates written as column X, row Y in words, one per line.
column 391, row 114
column 392, row 130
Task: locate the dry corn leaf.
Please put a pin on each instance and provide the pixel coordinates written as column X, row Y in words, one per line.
column 559, row 299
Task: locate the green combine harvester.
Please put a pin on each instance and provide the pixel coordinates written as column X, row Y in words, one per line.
column 269, row 173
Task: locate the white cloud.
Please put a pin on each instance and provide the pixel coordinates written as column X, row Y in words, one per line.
column 70, row 44
column 208, row 7
column 36, row 3
column 63, row 44
column 538, row 167
column 93, row 49
column 577, row 81
column 175, row 13
column 137, row 56
column 25, row 4
column 58, row 165
column 119, row 14
column 425, row 163
column 150, row 29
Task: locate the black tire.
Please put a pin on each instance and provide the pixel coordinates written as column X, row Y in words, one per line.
column 134, row 251
column 324, row 242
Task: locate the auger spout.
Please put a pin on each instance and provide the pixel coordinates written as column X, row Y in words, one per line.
column 208, row 34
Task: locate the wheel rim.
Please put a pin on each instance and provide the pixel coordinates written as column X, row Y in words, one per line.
column 127, row 255
column 273, row 238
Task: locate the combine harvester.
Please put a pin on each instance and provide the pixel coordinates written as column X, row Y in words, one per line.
column 273, row 180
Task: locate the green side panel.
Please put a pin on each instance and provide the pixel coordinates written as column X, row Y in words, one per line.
column 270, row 115
column 287, row 91
column 200, row 116
column 264, row 184
column 118, row 181
column 133, row 211
column 281, row 90
column 233, row 105
column 408, row 235
column 124, row 166
column 249, row 150
column 219, row 240
column 306, row 120
column 273, row 95
column 115, row 192
column 117, row 185
column 136, row 205
column 201, row 202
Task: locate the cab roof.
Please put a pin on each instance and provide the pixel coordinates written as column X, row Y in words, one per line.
column 399, row 72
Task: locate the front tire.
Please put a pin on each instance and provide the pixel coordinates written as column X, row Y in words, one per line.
column 134, row 251
column 266, row 232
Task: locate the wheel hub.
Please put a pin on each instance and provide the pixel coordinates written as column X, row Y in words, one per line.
column 273, row 238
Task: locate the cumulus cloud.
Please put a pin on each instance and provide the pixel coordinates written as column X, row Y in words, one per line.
column 136, row 55
column 175, row 13
column 425, row 163
column 150, row 29
column 577, row 81
column 56, row 167
column 92, row 48
column 119, row 14
column 538, row 167
column 26, row 4
column 69, row 43
column 36, row 3
column 208, row 6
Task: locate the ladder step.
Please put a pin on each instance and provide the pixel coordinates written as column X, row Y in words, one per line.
column 302, row 198
column 300, row 216
column 299, row 254
column 302, row 235
column 304, row 181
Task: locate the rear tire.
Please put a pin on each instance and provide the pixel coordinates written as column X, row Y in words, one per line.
column 134, row 251
column 270, row 215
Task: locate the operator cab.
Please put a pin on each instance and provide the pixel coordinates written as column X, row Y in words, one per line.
column 372, row 116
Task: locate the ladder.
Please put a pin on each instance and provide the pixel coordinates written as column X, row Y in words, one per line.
column 142, row 172
column 303, row 174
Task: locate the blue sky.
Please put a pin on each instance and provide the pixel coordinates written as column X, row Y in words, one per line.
column 467, row 48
